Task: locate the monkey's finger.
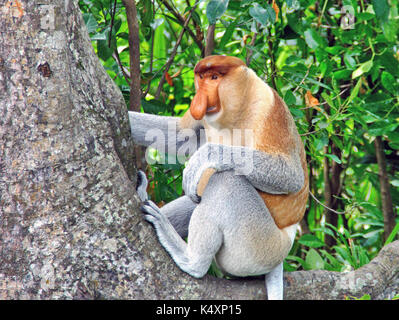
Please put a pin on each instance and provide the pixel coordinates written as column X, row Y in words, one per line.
column 152, row 205
column 148, row 210
column 151, row 219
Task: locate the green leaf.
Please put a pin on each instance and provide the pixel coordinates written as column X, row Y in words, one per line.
column 227, row 34
column 364, row 16
column 293, row 4
column 390, row 63
column 319, row 143
column 336, row 265
column 262, row 15
column 344, row 254
column 391, row 237
column 313, row 39
column 334, row 50
column 289, row 98
column 342, row 74
column 215, row 10
column 381, row 9
column 334, row 158
column 161, row 41
column 313, row 260
column 91, row 22
column 380, row 128
column 312, row 241
column 364, row 67
column 297, row 259
column 390, row 29
column 146, row 13
column 153, row 106
column 103, row 51
column 349, row 61
column 354, row 92
column 388, row 82
column 100, row 35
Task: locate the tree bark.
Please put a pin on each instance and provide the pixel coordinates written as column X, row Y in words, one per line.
column 386, row 199
column 70, row 225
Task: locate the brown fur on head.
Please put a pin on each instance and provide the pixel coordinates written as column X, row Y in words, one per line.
column 210, row 75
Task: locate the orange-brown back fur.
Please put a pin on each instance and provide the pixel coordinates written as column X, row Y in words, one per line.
column 279, row 136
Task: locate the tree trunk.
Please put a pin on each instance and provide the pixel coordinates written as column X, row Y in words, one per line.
column 70, row 226
column 330, row 217
column 386, row 199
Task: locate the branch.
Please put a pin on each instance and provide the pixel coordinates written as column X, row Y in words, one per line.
column 379, row 278
column 250, row 51
column 210, row 40
column 173, row 54
column 272, row 64
column 125, row 71
column 182, row 21
column 134, row 51
column 113, row 11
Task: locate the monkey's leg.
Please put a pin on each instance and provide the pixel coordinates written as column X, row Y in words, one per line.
column 193, row 257
column 252, row 242
column 179, row 213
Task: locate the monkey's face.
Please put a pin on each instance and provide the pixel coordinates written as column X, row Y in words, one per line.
column 210, row 72
column 206, row 100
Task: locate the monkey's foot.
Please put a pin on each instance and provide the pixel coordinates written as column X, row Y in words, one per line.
column 167, row 235
column 142, row 184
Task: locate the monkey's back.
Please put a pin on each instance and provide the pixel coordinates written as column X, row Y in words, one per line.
column 288, row 209
column 280, row 136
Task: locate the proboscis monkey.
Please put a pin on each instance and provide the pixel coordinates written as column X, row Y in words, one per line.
column 243, row 214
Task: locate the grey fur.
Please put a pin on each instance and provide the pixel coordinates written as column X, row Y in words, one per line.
column 142, row 184
column 268, row 173
column 235, row 229
column 174, row 137
column 231, row 222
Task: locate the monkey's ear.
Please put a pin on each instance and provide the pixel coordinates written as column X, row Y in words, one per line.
column 198, row 105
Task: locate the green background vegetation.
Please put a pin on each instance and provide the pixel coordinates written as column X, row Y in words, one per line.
column 335, row 63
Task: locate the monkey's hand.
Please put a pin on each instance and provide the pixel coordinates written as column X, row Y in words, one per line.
column 208, row 159
column 142, row 184
column 195, row 179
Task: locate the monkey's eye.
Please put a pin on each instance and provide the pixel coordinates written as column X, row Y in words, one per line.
column 201, row 76
column 214, row 77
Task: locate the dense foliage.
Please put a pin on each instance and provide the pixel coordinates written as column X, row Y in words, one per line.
column 336, row 63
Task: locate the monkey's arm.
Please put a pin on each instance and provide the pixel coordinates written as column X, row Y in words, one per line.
column 167, row 134
column 275, row 174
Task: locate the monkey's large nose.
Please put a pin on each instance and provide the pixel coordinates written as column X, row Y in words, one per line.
column 199, row 105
